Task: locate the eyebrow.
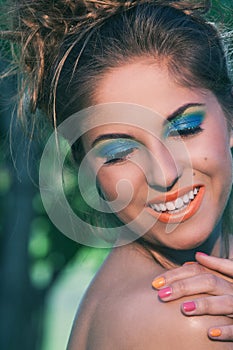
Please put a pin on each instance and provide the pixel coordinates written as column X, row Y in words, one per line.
column 181, row 110
column 169, row 118
column 111, row 136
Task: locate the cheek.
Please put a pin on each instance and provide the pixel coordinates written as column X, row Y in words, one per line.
column 212, row 162
column 212, row 154
column 122, row 182
column 218, row 143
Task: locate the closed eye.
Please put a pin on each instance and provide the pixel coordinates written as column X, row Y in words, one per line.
column 115, row 150
column 185, row 125
column 120, row 156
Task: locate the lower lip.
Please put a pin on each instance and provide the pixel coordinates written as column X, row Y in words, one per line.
column 182, row 215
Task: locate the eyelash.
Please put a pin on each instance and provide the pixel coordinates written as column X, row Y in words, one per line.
column 186, row 132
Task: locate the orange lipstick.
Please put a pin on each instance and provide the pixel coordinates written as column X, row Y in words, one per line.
column 182, row 215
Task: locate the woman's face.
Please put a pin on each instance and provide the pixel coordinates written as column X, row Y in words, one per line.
column 183, row 182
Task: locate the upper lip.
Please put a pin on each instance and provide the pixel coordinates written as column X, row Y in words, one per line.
column 169, row 197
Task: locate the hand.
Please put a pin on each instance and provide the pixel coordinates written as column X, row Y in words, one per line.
column 209, row 275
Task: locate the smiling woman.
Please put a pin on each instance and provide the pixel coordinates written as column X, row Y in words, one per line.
column 161, row 154
column 175, row 186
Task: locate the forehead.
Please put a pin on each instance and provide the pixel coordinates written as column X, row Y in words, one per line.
column 147, row 84
column 152, row 89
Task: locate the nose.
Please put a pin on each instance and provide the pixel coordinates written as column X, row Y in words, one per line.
column 163, row 169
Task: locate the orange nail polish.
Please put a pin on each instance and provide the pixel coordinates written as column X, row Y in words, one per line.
column 215, row 332
column 190, row 263
column 158, row 282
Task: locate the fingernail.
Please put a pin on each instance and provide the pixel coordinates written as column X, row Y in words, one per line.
column 189, row 306
column 165, row 292
column 215, row 332
column 190, row 263
column 201, row 254
column 158, row 282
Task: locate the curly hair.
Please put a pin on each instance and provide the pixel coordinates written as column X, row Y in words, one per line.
column 42, row 27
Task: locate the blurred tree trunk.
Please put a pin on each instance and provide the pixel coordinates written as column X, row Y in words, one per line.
column 20, row 304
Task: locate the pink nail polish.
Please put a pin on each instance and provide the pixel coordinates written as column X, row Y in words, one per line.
column 189, row 306
column 201, row 254
column 165, row 292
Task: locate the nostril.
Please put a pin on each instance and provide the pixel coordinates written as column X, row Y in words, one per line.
column 166, row 187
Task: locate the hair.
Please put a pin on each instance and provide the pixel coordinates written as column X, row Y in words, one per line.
column 66, row 48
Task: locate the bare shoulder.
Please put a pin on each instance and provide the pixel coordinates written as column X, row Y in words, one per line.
column 139, row 321
column 121, row 311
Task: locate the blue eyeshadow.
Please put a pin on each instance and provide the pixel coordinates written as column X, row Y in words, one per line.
column 114, row 148
column 185, row 123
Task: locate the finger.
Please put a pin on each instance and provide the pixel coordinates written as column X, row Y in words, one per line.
column 203, row 284
column 225, row 266
column 221, row 333
column 214, row 305
column 188, row 270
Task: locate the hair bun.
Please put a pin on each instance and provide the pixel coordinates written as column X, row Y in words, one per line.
column 40, row 26
column 69, row 16
column 61, row 17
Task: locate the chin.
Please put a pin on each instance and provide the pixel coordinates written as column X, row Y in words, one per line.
column 181, row 238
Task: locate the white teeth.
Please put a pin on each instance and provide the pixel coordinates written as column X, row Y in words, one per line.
column 163, row 207
column 179, row 203
column 191, row 195
column 170, row 206
column 186, row 199
column 156, row 207
column 195, row 191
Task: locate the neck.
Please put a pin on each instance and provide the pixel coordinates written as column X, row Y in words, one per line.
column 211, row 247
